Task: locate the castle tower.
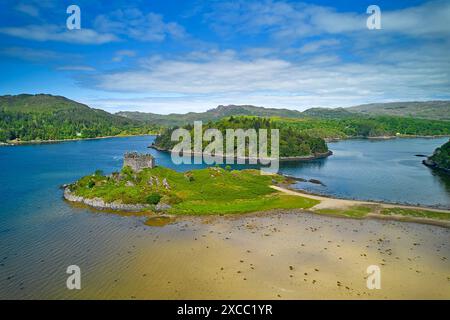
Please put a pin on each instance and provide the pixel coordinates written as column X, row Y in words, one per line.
column 138, row 161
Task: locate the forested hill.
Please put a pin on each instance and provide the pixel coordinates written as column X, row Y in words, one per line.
column 27, row 117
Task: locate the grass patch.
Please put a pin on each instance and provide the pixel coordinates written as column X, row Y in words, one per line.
column 212, row 190
column 277, row 201
column 416, row 213
column 159, row 221
column 353, row 212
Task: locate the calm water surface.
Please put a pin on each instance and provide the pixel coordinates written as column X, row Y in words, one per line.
column 40, row 234
column 380, row 170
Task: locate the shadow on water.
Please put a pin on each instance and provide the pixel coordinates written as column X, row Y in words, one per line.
column 310, row 164
column 442, row 178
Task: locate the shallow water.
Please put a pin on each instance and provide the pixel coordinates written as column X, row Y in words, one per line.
column 121, row 257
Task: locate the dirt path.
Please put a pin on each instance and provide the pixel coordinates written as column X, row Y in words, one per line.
column 333, row 203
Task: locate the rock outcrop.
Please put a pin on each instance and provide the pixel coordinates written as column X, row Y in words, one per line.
column 98, row 203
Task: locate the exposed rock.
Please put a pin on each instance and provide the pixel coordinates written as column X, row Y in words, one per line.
column 101, row 204
column 166, row 184
column 162, row 207
column 315, row 181
column 129, row 184
column 295, row 178
column 115, row 176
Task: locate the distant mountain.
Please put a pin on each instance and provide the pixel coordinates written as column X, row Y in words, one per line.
column 435, row 110
column 218, row 113
column 328, row 113
column 28, row 117
column 40, row 103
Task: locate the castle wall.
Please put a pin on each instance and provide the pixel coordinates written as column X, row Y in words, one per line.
column 138, row 162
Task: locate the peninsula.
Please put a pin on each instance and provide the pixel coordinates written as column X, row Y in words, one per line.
column 144, row 188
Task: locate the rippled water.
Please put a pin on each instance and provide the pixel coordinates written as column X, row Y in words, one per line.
column 40, row 234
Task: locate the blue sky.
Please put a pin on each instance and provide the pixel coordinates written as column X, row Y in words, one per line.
column 180, row 56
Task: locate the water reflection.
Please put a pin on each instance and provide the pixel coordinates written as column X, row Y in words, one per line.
column 309, row 165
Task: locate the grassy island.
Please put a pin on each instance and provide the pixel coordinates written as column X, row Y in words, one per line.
column 212, row 190
column 218, row 191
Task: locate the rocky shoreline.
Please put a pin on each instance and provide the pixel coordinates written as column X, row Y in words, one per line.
column 440, row 159
column 100, row 204
column 433, row 165
column 282, row 159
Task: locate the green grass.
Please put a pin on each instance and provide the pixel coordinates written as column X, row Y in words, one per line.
column 215, row 190
column 417, row 213
column 212, row 190
column 353, row 212
column 277, row 201
column 362, row 211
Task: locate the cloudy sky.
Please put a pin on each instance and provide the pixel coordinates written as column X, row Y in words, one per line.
column 179, row 56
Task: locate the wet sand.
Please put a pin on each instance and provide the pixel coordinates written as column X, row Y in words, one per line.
column 277, row 255
column 335, row 203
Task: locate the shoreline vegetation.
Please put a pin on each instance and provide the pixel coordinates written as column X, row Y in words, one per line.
column 162, row 192
column 318, row 155
column 440, row 159
column 32, row 142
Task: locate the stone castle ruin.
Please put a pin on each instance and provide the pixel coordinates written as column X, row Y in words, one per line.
column 138, row 161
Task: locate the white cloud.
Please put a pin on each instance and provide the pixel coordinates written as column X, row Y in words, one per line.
column 314, row 46
column 137, row 25
column 56, row 33
column 429, row 19
column 37, row 55
column 286, row 20
column 27, row 9
column 121, row 54
column 323, row 80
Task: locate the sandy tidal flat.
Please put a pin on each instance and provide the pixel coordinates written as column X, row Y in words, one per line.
column 288, row 255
